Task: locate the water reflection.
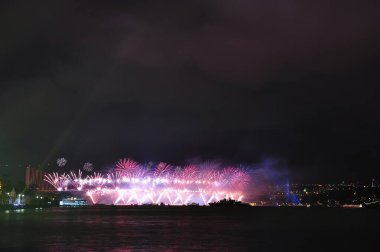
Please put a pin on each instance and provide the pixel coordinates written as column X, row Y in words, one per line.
column 154, row 230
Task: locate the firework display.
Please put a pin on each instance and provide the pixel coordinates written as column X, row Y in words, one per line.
column 61, row 162
column 88, row 167
column 131, row 183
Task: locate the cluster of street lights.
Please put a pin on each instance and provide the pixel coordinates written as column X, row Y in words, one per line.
column 17, row 200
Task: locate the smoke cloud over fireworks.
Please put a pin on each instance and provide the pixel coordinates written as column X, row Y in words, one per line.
column 133, row 183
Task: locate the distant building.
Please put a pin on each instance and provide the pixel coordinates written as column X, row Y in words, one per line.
column 34, row 178
column 2, row 194
column 12, row 196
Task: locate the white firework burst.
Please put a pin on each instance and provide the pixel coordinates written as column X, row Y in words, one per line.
column 88, row 167
column 61, row 162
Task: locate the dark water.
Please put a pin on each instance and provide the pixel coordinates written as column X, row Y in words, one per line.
column 208, row 229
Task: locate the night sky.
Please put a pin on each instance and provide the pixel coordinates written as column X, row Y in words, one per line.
column 238, row 81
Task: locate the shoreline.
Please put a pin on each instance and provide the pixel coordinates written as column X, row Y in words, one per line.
column 171, row 207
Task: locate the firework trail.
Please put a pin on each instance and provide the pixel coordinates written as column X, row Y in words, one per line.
column 96, row 179
column 59, row 182
column 76, row 180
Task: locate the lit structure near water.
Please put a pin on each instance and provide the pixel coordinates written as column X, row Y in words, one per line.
column 131, row 183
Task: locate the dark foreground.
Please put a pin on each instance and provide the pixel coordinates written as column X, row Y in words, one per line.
column 183, row 229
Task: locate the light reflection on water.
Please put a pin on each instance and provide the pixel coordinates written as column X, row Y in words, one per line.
column 259, row 229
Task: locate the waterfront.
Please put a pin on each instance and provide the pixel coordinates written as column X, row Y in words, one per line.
column 200, row 228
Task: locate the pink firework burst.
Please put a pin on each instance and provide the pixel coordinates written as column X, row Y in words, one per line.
column 226, row 176
column 162, row 170
column 240, row 179
column 190, row 172
column 126, row 165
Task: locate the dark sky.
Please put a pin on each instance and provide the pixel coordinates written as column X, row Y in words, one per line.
column 240, row 81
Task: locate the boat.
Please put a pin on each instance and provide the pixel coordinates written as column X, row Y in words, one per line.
column 73, row 202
